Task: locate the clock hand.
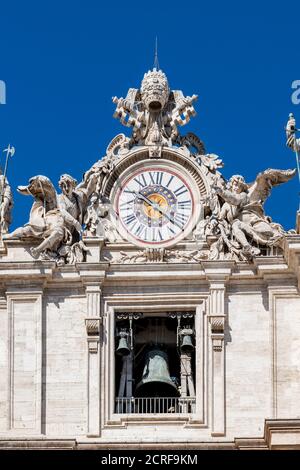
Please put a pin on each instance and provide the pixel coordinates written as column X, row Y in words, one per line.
column 144, row 198
column 158, row 208
column 170, row 218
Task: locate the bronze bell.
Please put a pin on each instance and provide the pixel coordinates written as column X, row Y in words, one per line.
column 186, row 343
column 123, row 349
column 156, row 380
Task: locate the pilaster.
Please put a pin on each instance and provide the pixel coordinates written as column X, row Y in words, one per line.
column 25, row 318
column 217, row 275
column 92, row 275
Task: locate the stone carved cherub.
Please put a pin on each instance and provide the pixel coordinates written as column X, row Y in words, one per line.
column 97, row 219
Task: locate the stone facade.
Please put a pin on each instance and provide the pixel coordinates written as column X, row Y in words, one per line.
column 58, row 312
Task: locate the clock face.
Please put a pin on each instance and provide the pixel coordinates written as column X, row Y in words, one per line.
column 155, row 206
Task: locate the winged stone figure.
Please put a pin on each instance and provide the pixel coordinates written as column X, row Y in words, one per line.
column 242, row 220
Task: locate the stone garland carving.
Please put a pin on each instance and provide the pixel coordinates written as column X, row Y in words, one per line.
column 154, row 255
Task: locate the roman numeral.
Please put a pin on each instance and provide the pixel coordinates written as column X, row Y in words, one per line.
column 156, row 177
column 171, row 230
column 180, row 190
column 128, row 191
column 138, row 232
column 184, row 204
column 129, row 219
column 137, row 180
column 169, row 182
column 181, row 219
column 152, row 177
column 156, row 235
column 159, row 177
column 125, row 204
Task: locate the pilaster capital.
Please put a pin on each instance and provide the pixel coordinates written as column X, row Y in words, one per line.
column 218, row 272
column 92, row 273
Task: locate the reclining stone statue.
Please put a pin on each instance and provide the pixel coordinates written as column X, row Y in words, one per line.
column 54, row 219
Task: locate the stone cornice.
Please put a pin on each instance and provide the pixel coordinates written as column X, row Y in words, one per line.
column 269, row 269
column 92, row 272
column 279, row 434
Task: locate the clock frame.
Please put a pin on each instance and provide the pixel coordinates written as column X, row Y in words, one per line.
column 156, row 203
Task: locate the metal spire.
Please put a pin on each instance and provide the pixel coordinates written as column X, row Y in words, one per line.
column 156, row 63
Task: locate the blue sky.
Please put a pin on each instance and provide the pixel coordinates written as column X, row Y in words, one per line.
column 63, row 61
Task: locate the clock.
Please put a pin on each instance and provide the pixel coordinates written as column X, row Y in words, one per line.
column 155, row 205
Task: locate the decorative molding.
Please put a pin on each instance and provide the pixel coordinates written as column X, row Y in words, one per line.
column 156, row 255
column 180, row 315
column 128, row 316
column 93, row 345
column 93, row 333
column 92, row 326
column 279, row 434
column 217, row 342
column 217, row 323
column 140, row 153
column 116, row 306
